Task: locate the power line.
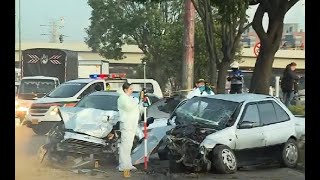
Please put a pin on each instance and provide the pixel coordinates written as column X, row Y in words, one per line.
column 54, row 33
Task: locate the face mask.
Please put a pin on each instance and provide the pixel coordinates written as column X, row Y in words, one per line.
column 202, row 88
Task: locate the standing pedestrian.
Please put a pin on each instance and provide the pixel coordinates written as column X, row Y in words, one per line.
column 201, row 89
column 287, row 83
column 129, row 114
column 236, row 79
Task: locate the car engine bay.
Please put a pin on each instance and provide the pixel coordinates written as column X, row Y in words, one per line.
column 184, row 142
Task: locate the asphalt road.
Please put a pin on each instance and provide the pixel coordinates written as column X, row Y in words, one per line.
column 28, row 168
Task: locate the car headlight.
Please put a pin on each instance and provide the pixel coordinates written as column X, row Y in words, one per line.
column 54, row 111
column 23, row 109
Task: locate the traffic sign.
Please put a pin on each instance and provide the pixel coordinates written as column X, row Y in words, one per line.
column 256, row 49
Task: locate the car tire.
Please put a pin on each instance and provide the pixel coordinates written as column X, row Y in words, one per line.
column 224, row 160
column 175, row 167
column 290, row 154
column 42, row 128
column 163, row 154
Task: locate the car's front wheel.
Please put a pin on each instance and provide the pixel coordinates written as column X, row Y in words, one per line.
column 290, row 154
column 223, row 159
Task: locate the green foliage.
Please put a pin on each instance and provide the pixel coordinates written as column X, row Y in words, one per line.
column 157, row 29
column 297, row 110
column 154, row 27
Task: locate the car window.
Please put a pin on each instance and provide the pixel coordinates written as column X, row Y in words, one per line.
column 66, row 90
column 115, row 85
column 90, row 89
column 267, row 113
column 33, row 86
column 281, row 114
column 101, row 85
column 139, row 86
column 251, row 114
column 102, row 102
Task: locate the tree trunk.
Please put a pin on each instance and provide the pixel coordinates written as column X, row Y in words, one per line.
column 222, row 74
column 270, row 41
column 213, row 73
column 260, row 81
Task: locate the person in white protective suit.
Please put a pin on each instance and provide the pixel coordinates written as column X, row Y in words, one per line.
column 129, row 115
column 200, row 90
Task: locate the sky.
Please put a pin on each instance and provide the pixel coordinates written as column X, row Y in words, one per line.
column 76, row 14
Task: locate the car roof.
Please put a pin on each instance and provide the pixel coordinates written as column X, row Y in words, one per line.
column 113, row 93
column 104, row 93
column 87, row 80
column 240, row 97
column 40, row 77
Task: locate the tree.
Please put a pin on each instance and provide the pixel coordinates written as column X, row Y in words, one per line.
column 270, row 39
column 115, row 22
column 227, row 20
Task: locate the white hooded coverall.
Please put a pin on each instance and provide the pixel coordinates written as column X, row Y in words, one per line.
column 197, row 92
column 129, row 115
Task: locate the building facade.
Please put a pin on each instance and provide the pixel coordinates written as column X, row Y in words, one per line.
column 292, row 37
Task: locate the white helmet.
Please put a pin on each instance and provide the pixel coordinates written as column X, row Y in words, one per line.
column 234, row 65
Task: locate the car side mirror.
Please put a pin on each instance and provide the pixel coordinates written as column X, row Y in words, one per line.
column 150, row 120
column 246, row 125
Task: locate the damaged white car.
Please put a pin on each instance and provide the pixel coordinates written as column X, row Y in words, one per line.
column 227, row 132
column 89, row 130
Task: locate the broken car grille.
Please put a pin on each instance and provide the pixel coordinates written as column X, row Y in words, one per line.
column 79, row 146
column 77, row 142
column 39, row 109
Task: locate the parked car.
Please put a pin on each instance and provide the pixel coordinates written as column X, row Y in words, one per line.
column 226, row 132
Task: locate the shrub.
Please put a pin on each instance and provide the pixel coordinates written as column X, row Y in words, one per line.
column 297, row 110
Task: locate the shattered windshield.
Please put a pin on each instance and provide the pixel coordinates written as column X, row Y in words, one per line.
column 205, row 111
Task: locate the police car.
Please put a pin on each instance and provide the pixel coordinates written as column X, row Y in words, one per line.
column 43, row 112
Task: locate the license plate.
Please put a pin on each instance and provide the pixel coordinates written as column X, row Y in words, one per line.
column 42, row 153
column 35, row 121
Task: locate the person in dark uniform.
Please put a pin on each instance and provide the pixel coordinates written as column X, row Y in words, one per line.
column 236, row 78
column 288, row 83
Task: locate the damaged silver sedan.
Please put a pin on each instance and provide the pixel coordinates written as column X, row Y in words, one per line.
column 227, row 132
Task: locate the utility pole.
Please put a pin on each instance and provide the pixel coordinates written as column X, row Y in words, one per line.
column 188, row 54
column 19, row 24
column 54, row 33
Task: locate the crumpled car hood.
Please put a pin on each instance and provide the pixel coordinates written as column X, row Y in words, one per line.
column 93, row 122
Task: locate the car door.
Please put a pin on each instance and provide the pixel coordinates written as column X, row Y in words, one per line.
column 250, row 138
column 276, row 123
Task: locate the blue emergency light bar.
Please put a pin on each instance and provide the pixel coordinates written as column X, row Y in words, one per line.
column 96, row 76
column 93, row 76
column 104, row 76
